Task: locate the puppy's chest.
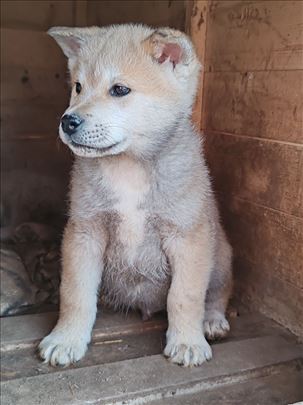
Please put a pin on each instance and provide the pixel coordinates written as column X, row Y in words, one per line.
column 129, row 186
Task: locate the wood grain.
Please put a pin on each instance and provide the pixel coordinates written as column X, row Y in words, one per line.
column 34, row 83
column 152, row 12
column 259, row 104
column 30, row 84
column 25, row 48
column 271, row 295
column 273, row 243
column 31, row 118
column 268, row 259
column 196, row 28
column 254, row 35
column 267, row 173
column 252, row 113
column 36, row 15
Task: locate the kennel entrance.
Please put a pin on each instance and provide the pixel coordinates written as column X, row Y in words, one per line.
column 250, row 107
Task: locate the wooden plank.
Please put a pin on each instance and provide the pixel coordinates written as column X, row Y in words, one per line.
column 37, row 117
column 36, row 15
column 26, row 156
column 262, row 290
column 26, row 362
column 266, row 238
column 196, row 27
column 268, row 259
column 32, row 84
column 38, row 97
column 27, row 330
column 27, row 49
column 255, row 35
column 80, row 7
column 149, row 378
column 278, row 389
column 170, row 13
column 267, row 173
column 259, row 104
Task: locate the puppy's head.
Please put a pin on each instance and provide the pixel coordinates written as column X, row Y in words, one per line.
column 131, row 84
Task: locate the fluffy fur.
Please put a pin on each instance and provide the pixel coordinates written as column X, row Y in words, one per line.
column 143, row 222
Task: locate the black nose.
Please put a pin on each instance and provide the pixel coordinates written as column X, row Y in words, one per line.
column 70, row 123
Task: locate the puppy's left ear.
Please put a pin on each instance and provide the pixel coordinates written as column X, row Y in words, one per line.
column 168, row 45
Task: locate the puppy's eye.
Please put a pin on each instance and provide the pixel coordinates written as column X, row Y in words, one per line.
column 119, row 91
column 78, row 87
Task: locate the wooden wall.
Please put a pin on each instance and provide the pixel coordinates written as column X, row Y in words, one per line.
column 252, row 117
column 35, row 93
column 249, row 105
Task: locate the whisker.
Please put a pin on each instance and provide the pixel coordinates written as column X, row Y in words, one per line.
column 124, row 128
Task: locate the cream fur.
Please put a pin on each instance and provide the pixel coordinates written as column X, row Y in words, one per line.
column 143, row 224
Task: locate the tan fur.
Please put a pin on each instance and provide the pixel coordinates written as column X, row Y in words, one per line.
column 143, row 222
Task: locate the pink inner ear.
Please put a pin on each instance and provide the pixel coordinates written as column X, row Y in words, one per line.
column 73, row 44
column 171, row 51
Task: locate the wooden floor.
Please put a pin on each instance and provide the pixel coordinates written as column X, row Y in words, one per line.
column 259, row 363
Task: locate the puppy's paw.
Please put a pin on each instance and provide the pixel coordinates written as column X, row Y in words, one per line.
column 62, row 349
column 191, row 351
column 215, row 325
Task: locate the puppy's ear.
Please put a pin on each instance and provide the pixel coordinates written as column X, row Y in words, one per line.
column 72, row 39
column 166, row 44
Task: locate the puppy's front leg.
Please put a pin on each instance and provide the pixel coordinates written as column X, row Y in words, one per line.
column 190, row 257
column 82, row 251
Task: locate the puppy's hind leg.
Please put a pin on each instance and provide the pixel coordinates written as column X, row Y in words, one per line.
column 215, row 323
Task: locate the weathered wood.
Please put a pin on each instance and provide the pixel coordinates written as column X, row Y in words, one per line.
column 259, row 104
column 26, row 362
column 30, row 49
column 108, row 326
column 37, row 97
column 274, row 241
column 32, row 84
column 26, row 331
column 28, row 118
column 41, row 15
column 267, row 173
column 268, row 293
column 80, row 7
column 36, row 15
column 282, row 388
column 196, row 26
column 252, row 116
column 254, row 35
column 152, row 12
column 268, row 259
column 27, row 156
column 153, row 377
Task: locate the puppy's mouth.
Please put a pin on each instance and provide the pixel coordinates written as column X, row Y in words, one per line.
column 92, row 148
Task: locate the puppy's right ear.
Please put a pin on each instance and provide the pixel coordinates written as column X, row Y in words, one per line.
column 68, row 39
column 71, row 40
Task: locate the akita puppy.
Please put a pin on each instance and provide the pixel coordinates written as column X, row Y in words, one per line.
column 143, row 224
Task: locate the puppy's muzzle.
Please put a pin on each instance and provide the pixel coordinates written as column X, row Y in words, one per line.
column 71, row 123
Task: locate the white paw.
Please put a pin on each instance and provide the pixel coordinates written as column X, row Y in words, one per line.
column 190, row 351
column 215, row 325
column 62, row 349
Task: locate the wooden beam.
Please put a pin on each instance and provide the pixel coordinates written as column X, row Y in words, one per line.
column 196, row 27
